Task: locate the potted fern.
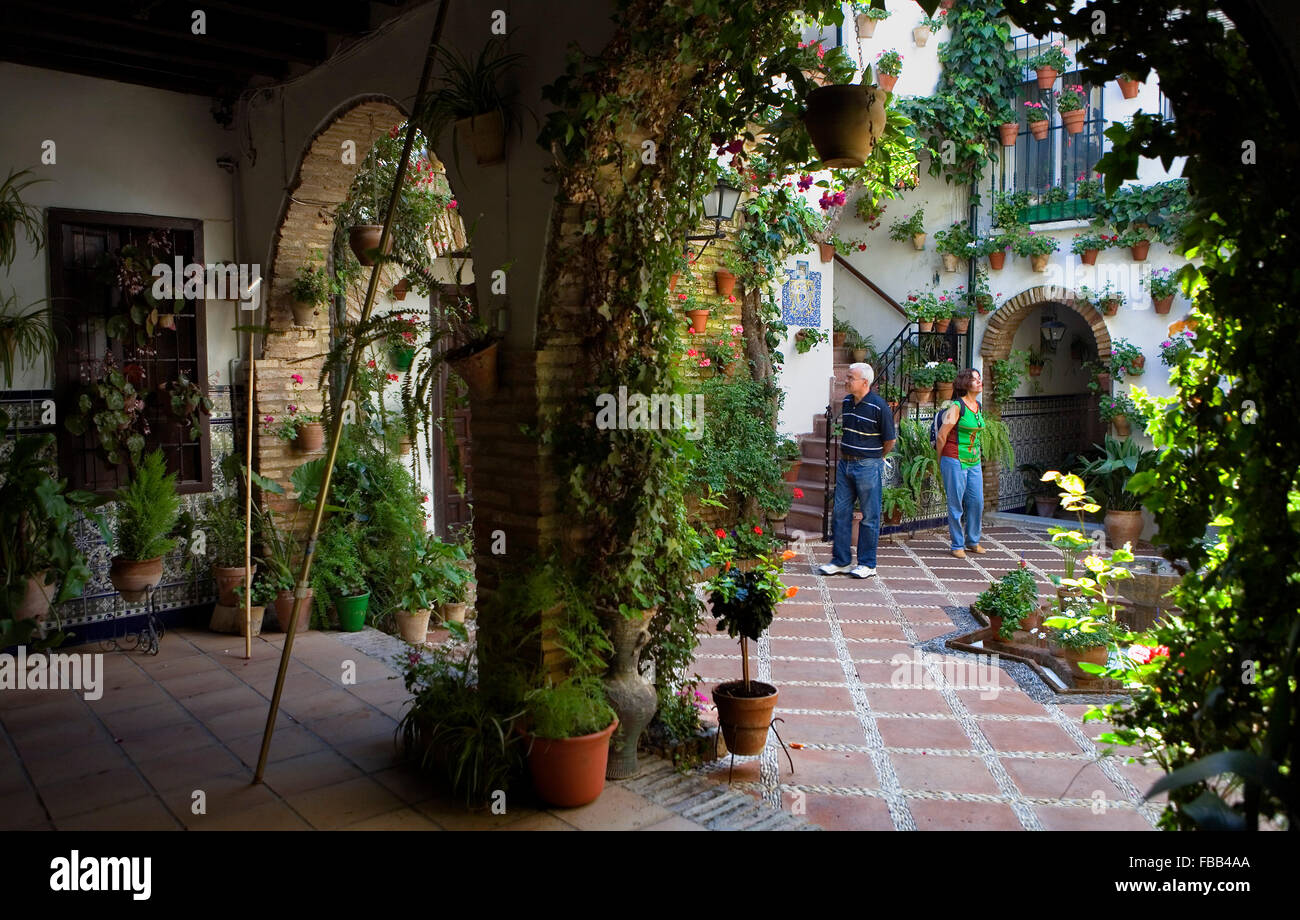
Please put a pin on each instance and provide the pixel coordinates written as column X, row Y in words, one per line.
column 471, row 99
column 147, row 511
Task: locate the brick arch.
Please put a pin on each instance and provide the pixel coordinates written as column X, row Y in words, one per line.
column 1001, row 332
column 319, row 186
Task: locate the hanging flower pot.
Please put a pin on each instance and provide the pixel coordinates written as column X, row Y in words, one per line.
column 1103, row 381
column 866, row 25
column 1046, row 77
column 1138, row 367
column 1089, row 256
column 984, row 303
column 310, row 437
column 941, row 325
column 827, row 251
column 921, row 35
column 401, row 358
column 1129, row 87
column 304, row 314
column 1035, row 370
column 918, row 241
column 950, row 261
column 1139, row 250
column 962, row 323
column 844, row 122
column 364, row 240
column 479, row 371
column 724, row 282
column 1008, row 133
column 1073, row 121
column 997, row 260
column 1038, row 261
column 672, row 282
column 1122, row 427
column 487, row 136
column 699, row 320
column 1163, row 304
column 886, row 81
column 400, row 289
column 1110, row 307
column 1038, row 129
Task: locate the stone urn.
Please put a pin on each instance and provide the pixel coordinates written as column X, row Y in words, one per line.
column 632, row 696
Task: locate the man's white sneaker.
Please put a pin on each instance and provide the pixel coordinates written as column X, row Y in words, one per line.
column 831, row 568
column 863, row 571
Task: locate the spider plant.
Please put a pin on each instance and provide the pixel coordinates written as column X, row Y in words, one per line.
column 469, row 88
column 25, row 336
column 14, row 213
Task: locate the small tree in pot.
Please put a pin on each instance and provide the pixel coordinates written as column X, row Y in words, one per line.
column 744, row 604
column 147, row 511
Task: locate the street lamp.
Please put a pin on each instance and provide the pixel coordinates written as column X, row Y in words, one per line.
column 1051, row 330
column 719, row 205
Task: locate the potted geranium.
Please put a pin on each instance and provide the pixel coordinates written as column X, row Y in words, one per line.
column 944, row 376
column 909, row 227
column 1163, row 284
column 995, row 246
column 962, row 310
column 929, row 25
column 923, row 382
column 921, row 309
column 889, row 64
column 311, row 290
column 953, row 244
column 1008, row 123
column 1050, row 64
column 403, row 333
column 790, row 455
column 147, row 511
column 1036, row 117
column 1110, row 298
column 298, row 425
column 1178, row 346
column 1087, row 245
column 724, row 351
column 943, row 310
column 743, row 604
column 1121, row 412
column 1037, row 247
column 1072, row 103
column 867, row 18
column 698, row 313
column 1129, row 85
column 1138, row 240
column 1126, row 359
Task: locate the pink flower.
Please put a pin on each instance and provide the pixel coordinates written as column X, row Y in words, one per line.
column 370, row 363
column 292, row 409
column 705, row 363
column 731, row 298
column 392, row 377
column 692, row 353
column 737, row 330
column 452, row 203
column 797, row 493
column 681, row 296
column 269, row 419
column 296, row 378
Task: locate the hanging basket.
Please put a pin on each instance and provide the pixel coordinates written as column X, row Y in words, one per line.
column 844, row 122
column 479, row 371
column 364, row 240
column 487, row 136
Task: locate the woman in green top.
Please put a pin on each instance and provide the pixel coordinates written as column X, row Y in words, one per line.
column 959, row 463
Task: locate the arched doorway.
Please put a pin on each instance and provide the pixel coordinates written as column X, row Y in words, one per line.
column 1060, row 416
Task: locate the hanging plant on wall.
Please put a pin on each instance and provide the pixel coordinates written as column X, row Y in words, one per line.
column 473, row 100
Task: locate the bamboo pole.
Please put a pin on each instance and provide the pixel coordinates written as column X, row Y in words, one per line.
column 248, row 506
column 336, row 432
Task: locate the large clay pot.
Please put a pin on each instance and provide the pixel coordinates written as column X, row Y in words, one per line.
column 1008, row 132
column 1096, row 655
column 284, row 602
column 479, row 371
column 942, row 391
column 228, row 578
column 632, row 696
column 400, row 289
column 1038, row 129
column 133, row 579
column 1129, row 87
column 1073, row 121
column 413, row 625
column 487, row 136
column 837, row 339
column 941, row 325
column 36, row 600
column 310, row 438
column 1123, row 527
column 569, row 772
column 845, row 121
column 1035, row 370
column 364, row 240
column 724, row 282
column 925, row 325
column 997, row 260
column 304, row 314
column 745, row 720
column 1046, row 77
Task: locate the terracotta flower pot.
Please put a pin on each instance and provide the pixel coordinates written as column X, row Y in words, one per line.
column 941, row 325
column 1129, row 87
column 925, row 397
column 413, row 625
column 672, row 282
column 1103, row 381
column 866, row 25
column 845, row 121
column 1038, row 261
column 1140, row 250
column 1035, row 370
column 724, row 282
column 284, row 602
column 364, row 240
column 452, row 613
column 479, row 371
column 859, row 355
column 304, row 314
column 311, row 437
column 400, row 289
column 925, row 325
column 1008, row 132
column 1089, row 256
column 1163, row 304
column 837, row 339
column 228, row 579
column 886, row 81
column 37, row 599
column 568, row 772
column 942, row 391
column 1096, row 655
column 1046, row 77
column 487, row 136
column 1110, row 307
column 918, row 241
column 1122, row 428
column 984, row 304
column 1073, row 121
column 132, row 579
column 1123, row 527
column 1045, row 505
column 997, row 260
column 921, row 35
column 1038, row 129
column 699, row 320
column 826, row 251
column 962, row 323
column 744, row 720
column 950, row 261
column 791, row 472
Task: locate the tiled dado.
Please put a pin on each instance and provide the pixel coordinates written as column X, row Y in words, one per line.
column 183, row 584
column 876, row 751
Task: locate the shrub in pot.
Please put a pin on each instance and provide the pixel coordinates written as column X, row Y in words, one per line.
column 230, row 619
column 223, row 525
column 148, row 509
column 338, row 575
column 570, row 724
column 1009, row 602
column 311, row 290
column 1109, row 475
column 743, row 604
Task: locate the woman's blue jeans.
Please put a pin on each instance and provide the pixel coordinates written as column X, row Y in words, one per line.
column 965, row 488
column 857, row 481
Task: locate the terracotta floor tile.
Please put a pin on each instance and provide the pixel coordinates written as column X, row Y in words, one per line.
column 408, row 819
column 820, row 729
column 926, row 734
column 406, row 782
column 873, row 631
column 938, row 815
column 218, row 702
column 200, row 682
column 1007, row 703
column 340, row 804
column 892, row 700
column 920, row 599
column 241, row 722
column 352, row 726
column 925, row 633
column 309, row 771
column 828, row 671
column 133, row 696
column 819, row 629
column 935, row 773
column 879, row 650
column 372, row 754
column 1064, row 818
column 172, row 668
column 675, row 823
column 616, row 809
column 130, row 723
column 146, row 745
column 1028, row 736
column 66, row 765
column 273, row 816
column 223, row 798
column 321, row 705
column 21, row 811
column 143, row 814
column 93, row 790
column 188, row 768
column 1059, row 779
column 800, row 648
column 846, row 812
column 58, row 738
column 53, row 708
column 832, row 698
column 291, row 741
column 833, row 768
column 882, row 672
column 925, row 615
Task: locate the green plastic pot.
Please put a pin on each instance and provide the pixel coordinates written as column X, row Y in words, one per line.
column 352, row 612
column 402, row 358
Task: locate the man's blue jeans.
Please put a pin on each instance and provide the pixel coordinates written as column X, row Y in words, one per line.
column 965, row 488
column 857, row 481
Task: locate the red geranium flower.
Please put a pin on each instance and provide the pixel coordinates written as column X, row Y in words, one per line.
column 798, row 492
column 720, row 533
column 758, row 529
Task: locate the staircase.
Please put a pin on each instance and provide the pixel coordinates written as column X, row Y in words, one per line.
column 806, row 512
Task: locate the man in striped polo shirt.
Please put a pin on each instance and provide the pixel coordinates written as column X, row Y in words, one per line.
column 867, row 436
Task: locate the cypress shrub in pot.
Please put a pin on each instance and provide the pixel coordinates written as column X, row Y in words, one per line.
column 148, row 509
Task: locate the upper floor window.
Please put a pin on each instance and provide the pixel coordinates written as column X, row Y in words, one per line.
column 120, row 364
